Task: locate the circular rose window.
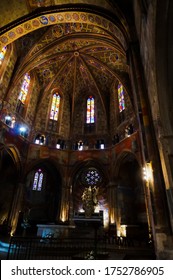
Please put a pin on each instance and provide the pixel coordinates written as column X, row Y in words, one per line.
column 91, row 177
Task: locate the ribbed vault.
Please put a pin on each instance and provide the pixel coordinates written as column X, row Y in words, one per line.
column 75, row 58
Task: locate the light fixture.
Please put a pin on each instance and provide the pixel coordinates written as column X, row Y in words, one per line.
column 148, row 172
column 80, row 148
column 22, row 129
column 8, row 120
column 80, row 145
column 118, row 233
column 144, row 173
column 123, row 230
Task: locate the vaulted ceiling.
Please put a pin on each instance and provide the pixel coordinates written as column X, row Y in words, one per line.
column 75, row 49
column 76, row 58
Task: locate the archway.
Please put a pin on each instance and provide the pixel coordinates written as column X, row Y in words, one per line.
column 42, row 193
column 9, row 170
column 91, row 175
column 130, row 197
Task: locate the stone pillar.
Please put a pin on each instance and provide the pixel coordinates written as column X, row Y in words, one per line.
column 166, row 152
column 157, row 202
column 65, row 204
column 71, row 210
column 16, row 207
column 113, row 205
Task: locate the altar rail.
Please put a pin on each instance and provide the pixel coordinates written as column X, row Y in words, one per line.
column 36, row 248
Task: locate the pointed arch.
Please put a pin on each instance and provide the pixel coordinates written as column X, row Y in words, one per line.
column 14, row 154
column 38, row 180
column 124, row 156
column 43, row 181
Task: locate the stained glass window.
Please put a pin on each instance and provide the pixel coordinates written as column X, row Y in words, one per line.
column 24, row 88
column 2, row 54
column 34, row 187
column 38, row 180
column 121, row 98
column 90, row 110
column 91, row 177
column 55, row 107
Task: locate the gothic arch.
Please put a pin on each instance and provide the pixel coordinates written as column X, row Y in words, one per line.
column 79, row 185
column 124, row 156
column 11, row 172
column 43, row 205
column 47, row 162
column 13, row 152
column 130, row 190
column 5, row 62
column 41, row 19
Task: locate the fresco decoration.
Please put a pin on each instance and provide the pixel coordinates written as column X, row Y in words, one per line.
column 80, row 57
column 34, row 4
column 57, row 18
column 48, row 71
column 88, row 79
column 26, row 43
column 59, row 30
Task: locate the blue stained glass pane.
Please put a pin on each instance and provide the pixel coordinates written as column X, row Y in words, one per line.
column 40, row 182
column 92, row 119
column 34, row 187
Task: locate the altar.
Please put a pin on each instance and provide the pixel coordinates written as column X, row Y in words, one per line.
column 95, row 220
column 53, row 230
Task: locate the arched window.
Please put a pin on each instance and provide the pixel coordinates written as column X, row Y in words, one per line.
column 90, row 110
column 121, row 98
column 38, row 180
column 2, row 54
column 54, row 112
column 121, row 103
column 24, row 88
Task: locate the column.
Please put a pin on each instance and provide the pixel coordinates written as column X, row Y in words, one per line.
column 16, row 207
